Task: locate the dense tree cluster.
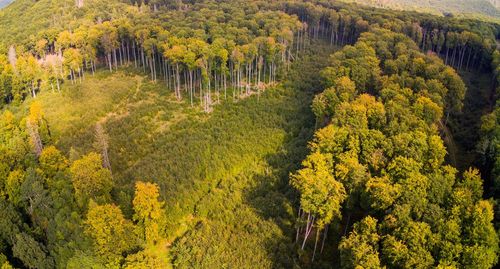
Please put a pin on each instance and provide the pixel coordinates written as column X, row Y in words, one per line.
column 200, row 53
column 378, row 162
column 69, row 232
column 463, row 44
column 198, row 59
column 57, row 213
column 487, row 9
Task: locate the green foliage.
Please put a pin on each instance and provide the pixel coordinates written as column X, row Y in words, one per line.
column 357, row 62
column 360, row 248
column 475, row 8
column 90, row 179
column 320, row 193
column 219, row 194
column 30, row 252
column 145, row 259
column 408, row 189
column 112, row 234
column 52, row 161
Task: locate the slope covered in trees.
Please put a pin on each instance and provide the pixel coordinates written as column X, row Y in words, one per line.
column 379, row 163
column 483, row 8
column 159, row 134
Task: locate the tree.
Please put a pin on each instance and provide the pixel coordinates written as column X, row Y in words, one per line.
column 321, row 195
column 382, row 193
column 32, row 125
column 52, row 161
column 388, row 155
column 176, row 55
column 35, row 198
column 410, row 247
column 4, row 263
column 6, row 77
column 64, row 40
column 31, row 253
column 145, row 259
column 41, row 47
column 111, row 233
column 101, row 144
column 326, row 103
column 361, row 248
column 28, row 75
column 90, row 179
column 13, row 186
column 481, row 240
column 109, row 41
column 53, row 65
column 86, row 260
column 72, row 61
column 148, row 210
column 358, row 62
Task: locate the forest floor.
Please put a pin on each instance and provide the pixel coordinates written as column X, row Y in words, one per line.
column 223, row 175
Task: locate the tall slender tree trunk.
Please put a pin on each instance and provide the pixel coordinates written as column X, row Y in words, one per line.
column 134, row 54
column 324, row 238
column 298, row 224
column 109, row 62
column 178, row 82
column 114, row 57
column 315, row 244
column 446, row 59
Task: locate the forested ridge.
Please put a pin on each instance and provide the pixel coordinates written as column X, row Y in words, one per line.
column 487, row 9
column 220, row 134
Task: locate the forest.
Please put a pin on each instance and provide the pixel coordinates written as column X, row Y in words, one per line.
column 247, row 134
column 483, row 9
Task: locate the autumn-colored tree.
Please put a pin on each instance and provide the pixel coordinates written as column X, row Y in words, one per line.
column 148, row 210
column 6, row 80
column 4, row 263
column 28, row 75
column 382, row 193
column 321, row 195
column 32, row 125
column 52, row 161
column 176, row 55
column 90, row 179
column 111, row 233
column 361, row 248
column 13, row 186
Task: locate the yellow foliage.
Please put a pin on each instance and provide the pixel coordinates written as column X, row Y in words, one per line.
column 111, row 232
column 36, row 112
column 148, row 209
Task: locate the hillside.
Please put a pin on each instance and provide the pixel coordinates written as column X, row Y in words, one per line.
column 246, row 134
column 474, row 8
column 46, row 17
